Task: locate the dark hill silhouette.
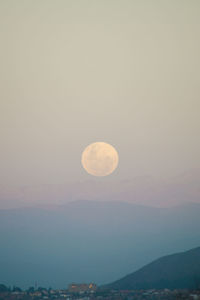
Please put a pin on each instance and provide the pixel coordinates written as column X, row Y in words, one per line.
column 177, row 271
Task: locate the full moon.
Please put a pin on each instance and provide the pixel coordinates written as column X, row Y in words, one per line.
column 100, row 159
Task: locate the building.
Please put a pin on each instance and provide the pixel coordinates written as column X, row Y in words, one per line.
column 81, row 287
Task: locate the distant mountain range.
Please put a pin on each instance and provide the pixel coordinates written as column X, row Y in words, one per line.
column 145, row 190
column 176, row 271
column 85, row 241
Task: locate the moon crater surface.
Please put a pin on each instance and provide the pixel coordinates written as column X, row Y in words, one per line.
column 100, row 159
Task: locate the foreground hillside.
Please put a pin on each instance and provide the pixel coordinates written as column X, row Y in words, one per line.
column 177, row 271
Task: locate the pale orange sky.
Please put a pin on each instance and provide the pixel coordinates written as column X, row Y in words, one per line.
column 76, row 72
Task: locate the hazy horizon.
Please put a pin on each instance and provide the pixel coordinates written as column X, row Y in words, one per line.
column 143, row 190
column 90, row 241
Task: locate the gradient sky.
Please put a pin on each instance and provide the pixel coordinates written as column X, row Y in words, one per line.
column 75, row 72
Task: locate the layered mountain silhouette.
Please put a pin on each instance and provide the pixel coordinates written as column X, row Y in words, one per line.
column 87, row 241
column 177, row 271
column 145, row 190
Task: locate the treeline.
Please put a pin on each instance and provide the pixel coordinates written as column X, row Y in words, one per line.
column 6, row 289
